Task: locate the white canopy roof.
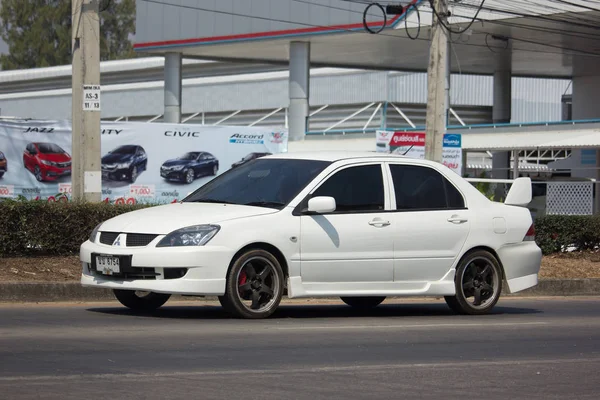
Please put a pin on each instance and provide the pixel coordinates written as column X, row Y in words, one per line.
column 527, row 140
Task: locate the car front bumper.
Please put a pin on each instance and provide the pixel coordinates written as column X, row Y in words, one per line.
column 115, row 174
column 173, row 175
column 198, row 270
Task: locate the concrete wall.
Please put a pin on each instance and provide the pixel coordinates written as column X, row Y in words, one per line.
column 203, row 19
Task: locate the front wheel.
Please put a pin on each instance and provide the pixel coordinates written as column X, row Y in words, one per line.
column 133, row 174
column 478, row 284
column 363, row 302
column 254, row 285
column 148, row 302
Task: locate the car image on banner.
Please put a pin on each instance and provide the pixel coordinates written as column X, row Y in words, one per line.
column 124, row 163
column 3, row 164
column 190, row 166
column 47, row 161
column 143, row 145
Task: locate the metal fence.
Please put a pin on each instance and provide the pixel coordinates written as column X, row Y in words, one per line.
column 549, row 197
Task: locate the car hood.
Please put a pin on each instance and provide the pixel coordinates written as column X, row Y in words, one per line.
column 115, row 158
column 55, row 157
column 170, row 163
column 167, row 218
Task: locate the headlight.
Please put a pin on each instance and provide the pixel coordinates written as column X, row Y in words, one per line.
column 197, row 235
column 48, row 162
column 122, row 166
column 95, row 233
column 178, row 167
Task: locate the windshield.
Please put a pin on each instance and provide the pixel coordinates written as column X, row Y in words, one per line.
column 50, row 148
column 189, row 156
column 124, row 150
column 262, row 182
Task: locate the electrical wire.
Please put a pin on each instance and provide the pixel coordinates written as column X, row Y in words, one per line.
column 164, row 3
column 366, row 24
column 418, row 21
column 447, row 27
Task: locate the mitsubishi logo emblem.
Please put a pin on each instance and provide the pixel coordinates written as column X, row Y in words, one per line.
column 117, row 241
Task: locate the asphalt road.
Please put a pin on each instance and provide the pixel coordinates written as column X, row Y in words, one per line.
column 528, row 349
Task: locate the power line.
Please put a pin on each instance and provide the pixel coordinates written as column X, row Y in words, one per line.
column 334, row 28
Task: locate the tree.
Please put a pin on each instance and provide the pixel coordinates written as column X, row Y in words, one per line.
column 38, row 32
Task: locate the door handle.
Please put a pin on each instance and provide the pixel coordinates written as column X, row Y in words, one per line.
column 379, row 222
column 455, row 219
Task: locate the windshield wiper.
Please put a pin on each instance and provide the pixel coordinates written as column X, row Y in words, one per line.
column 211, row 201
column 270, row 204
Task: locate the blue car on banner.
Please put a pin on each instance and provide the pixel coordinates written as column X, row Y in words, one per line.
column 190, row 166
column 124, row 163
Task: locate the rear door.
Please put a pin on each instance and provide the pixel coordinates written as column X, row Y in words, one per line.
column 431, row 222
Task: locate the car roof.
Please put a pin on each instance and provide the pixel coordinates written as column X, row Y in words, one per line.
column 333, row 156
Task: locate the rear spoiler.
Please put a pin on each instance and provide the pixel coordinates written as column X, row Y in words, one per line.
column 520, row 193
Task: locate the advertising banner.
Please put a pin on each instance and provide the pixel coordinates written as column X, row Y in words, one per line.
column 149, row 162
column 412, row 144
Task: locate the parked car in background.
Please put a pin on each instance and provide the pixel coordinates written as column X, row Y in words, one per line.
column 360, row 226
column 47, row 161
column 249, row 157
column 3, row 164
column 124, row 163
column 190, row 166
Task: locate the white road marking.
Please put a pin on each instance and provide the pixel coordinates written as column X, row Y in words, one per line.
column 481, row 325
column 59, row 379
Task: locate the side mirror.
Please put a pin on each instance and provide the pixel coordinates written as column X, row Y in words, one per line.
column 321, row 205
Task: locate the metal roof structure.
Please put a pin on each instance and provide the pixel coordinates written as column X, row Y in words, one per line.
column 542, row 37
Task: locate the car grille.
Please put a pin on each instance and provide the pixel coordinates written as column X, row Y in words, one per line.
column 63, row 165
column 108, row 237
column 139, row 239
column 133, row 239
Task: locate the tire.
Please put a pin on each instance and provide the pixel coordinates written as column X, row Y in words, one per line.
column 150, row 302
column 215, row 170
column 248, row 281
column 478, row 271
column 363, row 302
column 189, row 176
column 1, row 174
column 38, row 174
column 133, row 174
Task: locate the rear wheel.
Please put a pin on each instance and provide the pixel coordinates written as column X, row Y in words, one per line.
column 254, row 285
column 139, row 301
column 1, row 174
column 363, row 302
column 478, row 283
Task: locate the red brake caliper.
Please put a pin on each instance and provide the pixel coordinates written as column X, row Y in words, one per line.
column 242, row 281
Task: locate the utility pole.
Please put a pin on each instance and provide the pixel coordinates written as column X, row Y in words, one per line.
column 86, row 175
column 438, row 85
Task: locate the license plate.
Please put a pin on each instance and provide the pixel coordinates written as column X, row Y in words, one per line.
column 108, row 265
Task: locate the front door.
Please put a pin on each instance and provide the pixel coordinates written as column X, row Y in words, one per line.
column 353, row 244
column 431, row 223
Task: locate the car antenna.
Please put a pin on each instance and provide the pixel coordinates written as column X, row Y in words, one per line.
column 409, row 149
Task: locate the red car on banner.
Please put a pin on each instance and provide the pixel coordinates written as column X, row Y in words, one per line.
column 47, row 161
column 3, row 164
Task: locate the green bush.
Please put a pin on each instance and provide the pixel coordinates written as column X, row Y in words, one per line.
column 556, row 233
column 59, row 228
column 51, row 228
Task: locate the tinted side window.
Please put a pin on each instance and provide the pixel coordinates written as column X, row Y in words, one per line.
column 422, row 188
column 355, row 189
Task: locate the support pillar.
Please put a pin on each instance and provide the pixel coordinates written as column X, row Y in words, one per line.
column 299, row 85
column 172, row 112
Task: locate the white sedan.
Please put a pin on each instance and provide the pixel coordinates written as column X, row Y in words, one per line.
column 361, row 226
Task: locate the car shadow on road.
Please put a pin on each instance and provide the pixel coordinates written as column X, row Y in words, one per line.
column 206, row 312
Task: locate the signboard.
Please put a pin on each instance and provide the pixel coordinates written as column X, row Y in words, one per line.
column 412, row 144
column 91, row 98
column 140, row 162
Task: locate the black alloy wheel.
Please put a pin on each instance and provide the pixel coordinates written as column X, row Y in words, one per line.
column 255, row 285
column 478, row 283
